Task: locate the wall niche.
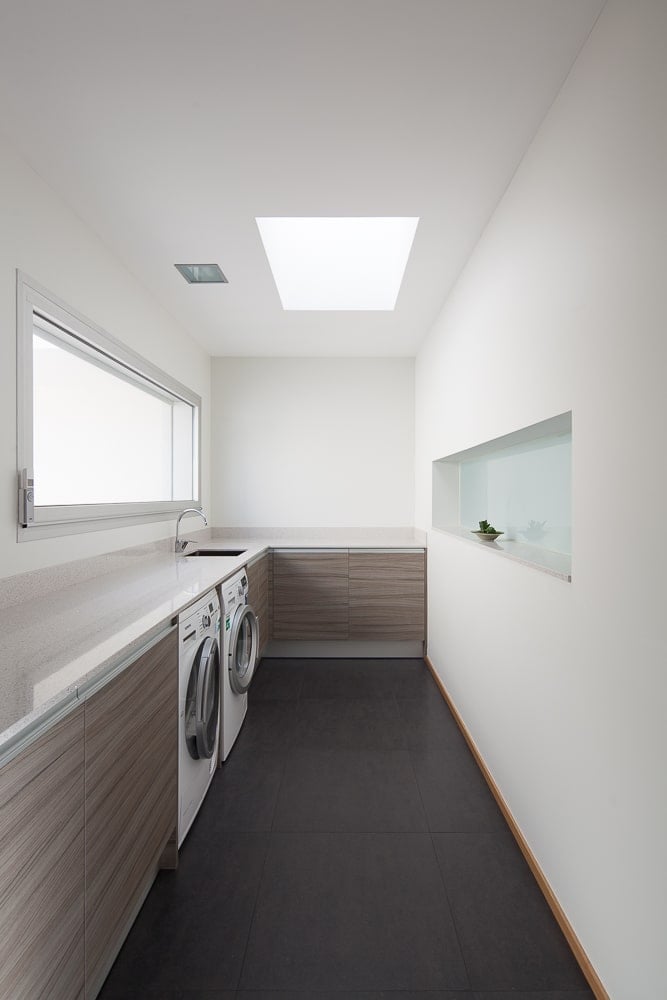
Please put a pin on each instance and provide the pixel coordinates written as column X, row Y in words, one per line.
column 521, row 483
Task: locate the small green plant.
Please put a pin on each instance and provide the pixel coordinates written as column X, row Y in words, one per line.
column 488, row 529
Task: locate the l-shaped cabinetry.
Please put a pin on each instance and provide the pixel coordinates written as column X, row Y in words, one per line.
column 88, row 809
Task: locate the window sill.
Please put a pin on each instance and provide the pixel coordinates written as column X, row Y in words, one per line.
column 57, row 529
column 557, row 564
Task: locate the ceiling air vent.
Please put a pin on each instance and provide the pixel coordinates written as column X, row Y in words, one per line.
column 201, row 274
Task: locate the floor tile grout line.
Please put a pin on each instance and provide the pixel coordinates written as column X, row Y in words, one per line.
column 252, row 915
column 314, row 994
column 442, row 879
column 261, row 876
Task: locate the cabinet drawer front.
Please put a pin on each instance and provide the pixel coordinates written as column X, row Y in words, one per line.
column 41, row 867
column 323, row 563
column 314, row 593
column 131, row 740
column 380, row 619
column 386, row 565
column 314, row 624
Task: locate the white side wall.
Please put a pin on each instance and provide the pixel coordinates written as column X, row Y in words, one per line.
column 562, row 306
column 42, row 237
column 313, row 442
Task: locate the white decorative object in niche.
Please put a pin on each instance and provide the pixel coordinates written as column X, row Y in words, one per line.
column 521, row 483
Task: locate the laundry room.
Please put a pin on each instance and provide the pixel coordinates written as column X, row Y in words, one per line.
column 330, row 381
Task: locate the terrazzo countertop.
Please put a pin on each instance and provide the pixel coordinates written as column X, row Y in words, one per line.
column 64, row 629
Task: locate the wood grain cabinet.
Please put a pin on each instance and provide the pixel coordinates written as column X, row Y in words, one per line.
column 387, row 595
column 41, row 867
column 310, row 594
column 258, row 596
column 131, row 807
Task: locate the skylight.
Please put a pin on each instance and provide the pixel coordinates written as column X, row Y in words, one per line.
column 338, row 263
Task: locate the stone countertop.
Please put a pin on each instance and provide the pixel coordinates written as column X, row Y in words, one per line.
column 60, row 638
column 321, row 538
column 56, row 646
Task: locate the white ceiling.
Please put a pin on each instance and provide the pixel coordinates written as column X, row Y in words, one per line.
column 168, row 127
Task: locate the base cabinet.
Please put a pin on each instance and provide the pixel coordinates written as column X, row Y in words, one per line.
column 41, row 867
column 356, row 594
column 131, row 806
column 387, row 595
column 310, row 594
column 258, row 597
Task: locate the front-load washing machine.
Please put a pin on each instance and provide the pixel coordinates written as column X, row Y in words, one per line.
column 198, row 705
column 239, row 656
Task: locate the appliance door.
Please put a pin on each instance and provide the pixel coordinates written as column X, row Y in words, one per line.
column 202, row 701
column 243, row 644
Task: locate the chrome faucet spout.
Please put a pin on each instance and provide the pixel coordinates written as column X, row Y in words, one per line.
column 181, row 543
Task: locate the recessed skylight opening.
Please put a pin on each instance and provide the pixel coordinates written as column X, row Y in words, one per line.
column 201, row 274
column 338, row 263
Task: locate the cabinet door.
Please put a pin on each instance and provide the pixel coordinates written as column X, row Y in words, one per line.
column 131, row 742
column 310, row 594
column 41, row 867
column 258, row 596
column 387, row 595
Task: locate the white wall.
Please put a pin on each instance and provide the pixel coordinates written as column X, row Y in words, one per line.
column 563, row 686
column 40, row 235
column 313, row 442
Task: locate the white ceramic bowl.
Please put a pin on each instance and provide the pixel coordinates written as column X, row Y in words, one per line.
column 488, row 536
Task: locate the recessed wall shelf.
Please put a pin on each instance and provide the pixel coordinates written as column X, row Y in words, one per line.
column 521, row 483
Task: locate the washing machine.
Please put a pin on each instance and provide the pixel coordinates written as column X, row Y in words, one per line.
column 239, row 657
column 198, row 705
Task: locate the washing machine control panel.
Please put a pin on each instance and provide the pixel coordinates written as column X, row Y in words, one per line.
column 198, row 622
column 236, row 593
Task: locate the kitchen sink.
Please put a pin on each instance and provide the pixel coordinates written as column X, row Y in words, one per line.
column 216, row 552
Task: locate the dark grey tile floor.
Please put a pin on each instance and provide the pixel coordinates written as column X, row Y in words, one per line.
column 349, row 849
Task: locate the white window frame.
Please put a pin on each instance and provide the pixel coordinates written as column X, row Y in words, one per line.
column 111, row 355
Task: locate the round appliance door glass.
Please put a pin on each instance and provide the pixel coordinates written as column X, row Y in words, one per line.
column 243, row 643
column 202, row 701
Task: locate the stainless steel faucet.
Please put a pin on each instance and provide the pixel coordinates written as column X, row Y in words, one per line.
column 181, row 543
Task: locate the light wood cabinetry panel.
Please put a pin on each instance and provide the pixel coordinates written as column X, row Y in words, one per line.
column 387, row 595
column 131, row 806
column 310, row 594
column 41, row 867
column 258, row 596
column 385, row 565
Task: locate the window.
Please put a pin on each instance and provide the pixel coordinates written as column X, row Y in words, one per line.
column 102, row 432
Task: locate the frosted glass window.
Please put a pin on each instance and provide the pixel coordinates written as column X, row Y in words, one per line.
column 103, row 433
column 97, row 437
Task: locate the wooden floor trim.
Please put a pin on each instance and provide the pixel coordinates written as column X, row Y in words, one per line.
column 589, row 972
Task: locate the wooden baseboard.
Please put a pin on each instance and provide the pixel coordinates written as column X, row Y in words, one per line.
column 573, row 941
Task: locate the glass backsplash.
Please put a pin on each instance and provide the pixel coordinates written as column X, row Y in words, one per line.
column 524, row 490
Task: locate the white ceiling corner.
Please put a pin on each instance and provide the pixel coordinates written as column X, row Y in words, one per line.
column 169, row 127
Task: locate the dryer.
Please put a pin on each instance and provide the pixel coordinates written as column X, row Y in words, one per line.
column 198, row 705
column 239, row 657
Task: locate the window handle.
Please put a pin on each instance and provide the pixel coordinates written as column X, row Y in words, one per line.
column 26, row 498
